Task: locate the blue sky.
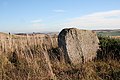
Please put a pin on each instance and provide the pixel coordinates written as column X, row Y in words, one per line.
column 53, row 15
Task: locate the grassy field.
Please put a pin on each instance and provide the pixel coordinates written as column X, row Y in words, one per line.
column 116, row 33
column 37, row 57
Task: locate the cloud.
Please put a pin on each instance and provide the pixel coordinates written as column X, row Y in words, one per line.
column 59, row 11
column 36, row 21
column 98, row 20
column 37, row 25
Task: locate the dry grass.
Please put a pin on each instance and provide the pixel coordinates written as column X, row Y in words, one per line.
column 37, row 57
column 25, row 57
column 116, row 37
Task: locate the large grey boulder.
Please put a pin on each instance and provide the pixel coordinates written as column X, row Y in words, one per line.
column 77, row 46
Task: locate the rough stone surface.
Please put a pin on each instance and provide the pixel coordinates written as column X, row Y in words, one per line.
column 78, row 46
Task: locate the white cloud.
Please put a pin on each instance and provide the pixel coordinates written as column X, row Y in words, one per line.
column 37, row 25
column 36, row 21
column 99, row 20
column 59, row 11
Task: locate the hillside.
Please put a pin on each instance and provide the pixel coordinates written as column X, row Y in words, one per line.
column 108, row 32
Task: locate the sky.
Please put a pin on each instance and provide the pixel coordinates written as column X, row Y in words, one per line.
column 54, row 15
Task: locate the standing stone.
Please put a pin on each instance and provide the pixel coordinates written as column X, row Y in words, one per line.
column 78, row 46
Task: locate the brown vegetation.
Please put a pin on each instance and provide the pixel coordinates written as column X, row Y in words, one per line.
column 25, row 57
column 38, row 58
column 116, row 37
